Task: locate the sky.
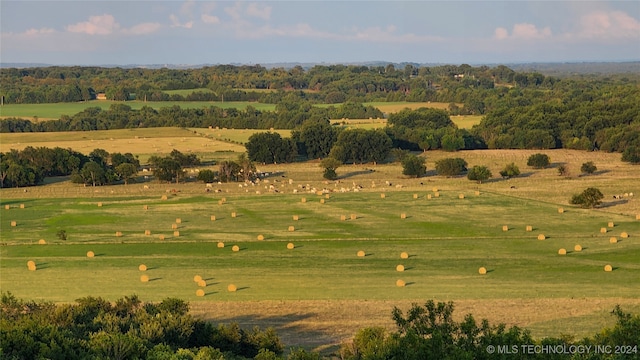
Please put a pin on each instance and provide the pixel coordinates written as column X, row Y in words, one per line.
column 192, row 32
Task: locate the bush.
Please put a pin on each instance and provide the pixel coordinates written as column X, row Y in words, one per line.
column 588, row 167
column 510, row 170
column 538, row 161
column 631, row 155
column 563, row 170
column 451, row 166
column 330, row 165
column 479, row 174
column 206, row 176
column 589, row 198
column 413, row 166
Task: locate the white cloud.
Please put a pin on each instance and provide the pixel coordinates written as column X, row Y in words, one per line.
column 607, row 25
column 42, row 31
column 143, row 29
column 97, row 25
column 209, row 19
column 501, row 33
column 258, row 11
column 522, row 31
column 175, row 22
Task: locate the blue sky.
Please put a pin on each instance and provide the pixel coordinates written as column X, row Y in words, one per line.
column 260, row 32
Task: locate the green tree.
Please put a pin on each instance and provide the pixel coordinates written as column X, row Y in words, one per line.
column 330, row 165
column 166, row 169
column 538, row 161
column 271, row 148
column 563, row 170
column 247, row 169
column 206, row 176
column 479, row 174
column 589, row 198
column 126, row 172
column 93, row 173
column 631, row 155
column 414, row 166
column 451, row 166
column 588, row 168
column 510, row 170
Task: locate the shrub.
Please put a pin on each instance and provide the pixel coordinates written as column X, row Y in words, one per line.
column 479, row 174
column 538, row 161
column 589, row 198
column 562, row 170
column 330, row 165
column 631, row 155
column 206, row 176
column 413, row 166
column 510, row 170
column 588, row 167
column 451, row 166
column 61, row 234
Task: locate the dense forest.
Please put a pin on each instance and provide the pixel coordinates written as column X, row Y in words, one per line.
column 520, row 110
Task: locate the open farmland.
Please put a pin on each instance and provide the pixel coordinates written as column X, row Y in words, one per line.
column 320, row 292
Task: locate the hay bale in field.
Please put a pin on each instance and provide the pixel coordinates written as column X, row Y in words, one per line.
column 529, row 228
column 304, row 200
column 235, row 248
column 31, row 263
column 562, row 251
column 477, row 193
column 14, row 224
column 99, row 204
column 415, row 196
column 164, row 197
column 404, row 255
column 118, row 233
column 160, row 237
column 7, row 207
column 343, row 217
column 403, row 216
column 624, row 235
column 231, row 288
column 505, row 228
column 354, row 216
column 234, row 214
column 260, row 237
column 428, row 196
column 147, row 232
column 220, row 202
column 224, row 200
column 145, row 207
column 577, row 248
column 291, row 228
column 200, row 292
column 197, row 278
column 290, row 246
column 32, row 267
column 541, row 237
column 382, row 196
column 296, row 218
column 202, row 283
column 213, row 218
column 90, row 254
column 174, row 226
column 144, row 278
column 610, row 224
column 327, row 196
column 608, row 268
column 42, row 242
column 603, row 230
column 21, row 206
column 460, row 196
column 400, row 268
column 435, row 189
column 360, row 253
column 436, row 194
column 400, row 283
column 176, row 233
column 613, row 240
column 220, row 244
column 178, row 221
column 560, row 210
column 321, row 201
column 482, row 271
column 142, row 267
column 637, row 216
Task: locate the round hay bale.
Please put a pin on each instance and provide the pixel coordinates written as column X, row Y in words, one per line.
column 637, row 216
column 415, row 196
column 321, row 201
column 231, row 288
column 400, row 283
column 354, row 216
column 118, row 233
column 403, row 216
column 296, row 218
column 343, row 217
column 99, row 204
column 260, row 237
column 31, row 263
column 327, row 196
column 290, row 246
column 436, row 194
column 174, row 226
column 21, row 206
column 460, row 196
column 482, row 271
column 220, row 202
column 147, row 232
column 178, row 221
column 577, row 248
column 319, row 193
column 435, row 189
column 360, row 253
column 613, row 240
column 160, row 237
column 529, row 228
column 197, row 278
column 505, row 228
column 14, row 224
column 304, row 200
column 235, row 248
column 400, row 268
column 7, row 207
column 32, row 267
column 560, row 210
column 213, row 218
column 234, row 214
column 541, row 237
column 603, row 230
column 291, row 228
column 220, row 244
column 562, row 251
column 608, row 268
column 142, row 267
column 224, row 200
column 624, row 235
column 382, row 196
column 144, row 278
column 145, row 207
column 42, row 242
column 404, row 255
column 164, row 197
column 176, row 233
column 90, row 254
column 202, row 283
column 429, row 196
column 610, row 224
column 200, row 292
column 477, row 193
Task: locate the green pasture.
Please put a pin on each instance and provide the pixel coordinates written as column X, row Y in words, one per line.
column 447, row 238
column 185, row 92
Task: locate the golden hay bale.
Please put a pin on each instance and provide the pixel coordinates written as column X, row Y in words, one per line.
column 234, row 214
column 142, row 267
column 400, row 283
column 610, row 224
column 541, row 237
column 319, row 193
column 577, row 248
column 404, row 255
column 603, row 230
column 224, row 200
column 461, row 196
column 220, row 202
column 382, row 196
column 560, row 210
column 529, row 228
column 482, row 271
column 90, row 254
column 327, row 196
column 477, row 193
column 637, row 216
column 291, row 228
column 354, row 216
column 400, row 268
column 321, row 201
column 197, row 278
column 32, row 267
column 613, row 240
column 361, row 253
column 296, row 218
column 428, row 196
column 624, row 235
column 178, row 221
column 436, row 194
column 608, row 268
column 304, row 200
column 260, row 237
column 174, row 226
column 145, row 207
column 31, row 263
column 415, row 196
column 118, row 233
column 21, row 206
column 7, row 207
column 213, row 218
column 290, row 246
column 403, row 216
column 220, row 244
column 231, row 288
column 144, row 278
column 147, row 232
column 435, row 189
column 235, row 248
column 562, row 252
column 202, row 283
column 505, row 228
column 343, row 217
column 200, row 292
column 42, row 242
column 99, row 204
column 160, row 237
column 164, row 197
column 13, row 223
column 176, row 233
